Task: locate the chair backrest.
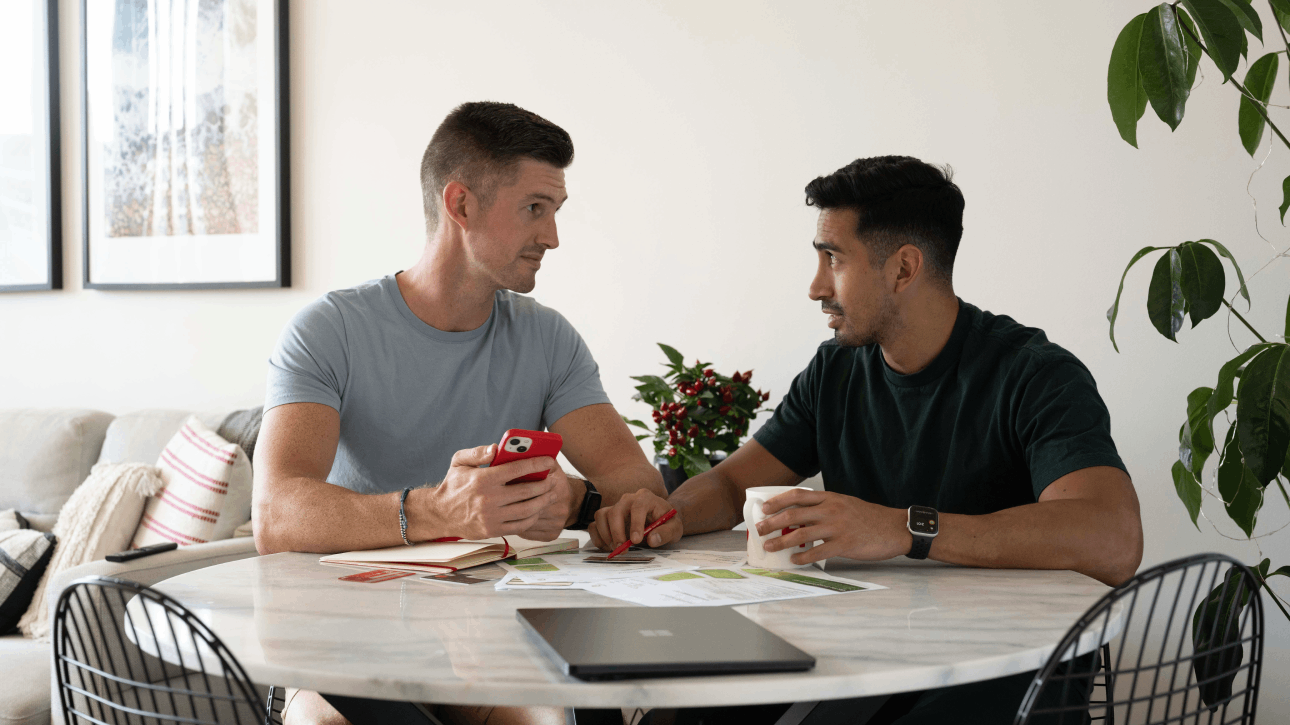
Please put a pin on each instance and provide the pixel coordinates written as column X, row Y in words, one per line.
column 125, row 653
column 1189, row 649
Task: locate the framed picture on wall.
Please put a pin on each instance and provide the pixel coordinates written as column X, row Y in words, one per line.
column 185, row 143
column 31, row 248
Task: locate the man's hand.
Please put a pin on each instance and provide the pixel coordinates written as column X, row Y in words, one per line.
column 848, row 526
column 551, row 520
column 628, row 519
column 477, row 503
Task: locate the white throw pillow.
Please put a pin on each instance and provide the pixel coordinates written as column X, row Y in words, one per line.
column 207, row 494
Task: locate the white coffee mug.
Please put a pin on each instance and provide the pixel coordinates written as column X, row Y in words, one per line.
column 757, row 554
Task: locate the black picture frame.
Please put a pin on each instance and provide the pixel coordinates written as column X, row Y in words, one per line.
column 46, row 150
column 280, row 239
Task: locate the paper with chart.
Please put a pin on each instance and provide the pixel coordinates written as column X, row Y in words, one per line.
column 568, row 567
column 725, row 587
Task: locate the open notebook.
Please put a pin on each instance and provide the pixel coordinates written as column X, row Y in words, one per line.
column 448, row 555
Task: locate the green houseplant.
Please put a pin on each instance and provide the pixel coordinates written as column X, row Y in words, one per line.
column 698, row 412
column 1155, row 61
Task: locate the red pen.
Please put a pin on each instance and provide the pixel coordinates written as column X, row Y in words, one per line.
column 657, row 522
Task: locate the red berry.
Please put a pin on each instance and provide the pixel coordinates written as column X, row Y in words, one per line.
column 680, row 414
column 667, row 415
column 748, row 376
column 681, row 438
column 671, row 453
column 694, row 430
column 708, row 373
column 765, row 396
column 712, row 434
column 723, row 409
column 727, row 397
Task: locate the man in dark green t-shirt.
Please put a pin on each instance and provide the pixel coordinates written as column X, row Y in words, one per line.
column 924, row 413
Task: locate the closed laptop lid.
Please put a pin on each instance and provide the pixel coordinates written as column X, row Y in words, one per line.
column 600, row 642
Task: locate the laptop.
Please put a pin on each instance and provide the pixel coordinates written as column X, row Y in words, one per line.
column 597, row 643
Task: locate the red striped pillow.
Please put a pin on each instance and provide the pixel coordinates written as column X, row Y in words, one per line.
column 198, row 467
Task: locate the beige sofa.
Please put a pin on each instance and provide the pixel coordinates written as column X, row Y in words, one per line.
column 44, row 456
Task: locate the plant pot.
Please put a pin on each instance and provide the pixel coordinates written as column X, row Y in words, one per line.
column 674, row 477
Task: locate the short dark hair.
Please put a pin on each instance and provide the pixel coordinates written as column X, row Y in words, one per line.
column 900, row 200
column 480, row 142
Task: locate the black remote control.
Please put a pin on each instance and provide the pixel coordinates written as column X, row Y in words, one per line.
column 140, row 553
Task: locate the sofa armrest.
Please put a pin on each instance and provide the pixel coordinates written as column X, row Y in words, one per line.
column 152, row 569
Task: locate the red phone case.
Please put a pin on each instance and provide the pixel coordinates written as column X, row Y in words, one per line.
column 518, row 444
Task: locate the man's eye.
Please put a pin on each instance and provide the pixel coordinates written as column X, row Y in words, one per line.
column 532, row 208
column 832, row 259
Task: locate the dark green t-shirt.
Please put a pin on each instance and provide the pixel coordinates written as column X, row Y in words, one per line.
column 996, row 417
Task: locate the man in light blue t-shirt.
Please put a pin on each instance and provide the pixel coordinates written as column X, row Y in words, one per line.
column 394, row 393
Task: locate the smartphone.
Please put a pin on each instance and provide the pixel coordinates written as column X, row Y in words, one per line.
column 518, row 444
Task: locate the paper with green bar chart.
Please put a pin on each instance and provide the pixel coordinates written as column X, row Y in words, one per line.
column 728, row 586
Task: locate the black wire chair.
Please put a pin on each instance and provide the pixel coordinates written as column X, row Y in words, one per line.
column 1184, row 628
column 126, row 654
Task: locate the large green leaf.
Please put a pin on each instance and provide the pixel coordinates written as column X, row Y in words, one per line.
column 1263, row 412
column 1241, row 493
column 1222, row 396
column 1124, row 90
column 1203, row 280
column 1188, row 491
column 1192, row 48
column 1114, row 312
column 1258, row 81
column 1162, row 61
column 637, row 423
column 1247, row 16
column 1285, row 199
column 1222, row 32
column 1223, row 251
column 1165, row 301
column 1197, row 439
column 672, row 355
column 1216, row 637
column 1281, row 8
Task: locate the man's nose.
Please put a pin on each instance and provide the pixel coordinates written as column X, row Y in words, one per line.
column 820, row 288
column 549, row 237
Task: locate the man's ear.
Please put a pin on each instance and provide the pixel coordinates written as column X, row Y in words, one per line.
column 458, row 204
column 908, row 266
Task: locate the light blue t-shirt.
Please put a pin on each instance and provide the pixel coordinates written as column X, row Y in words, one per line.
column 410, row 395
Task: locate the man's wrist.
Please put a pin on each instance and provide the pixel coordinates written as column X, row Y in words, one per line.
column 578, row 492
column 904, row 537
column 420, row 512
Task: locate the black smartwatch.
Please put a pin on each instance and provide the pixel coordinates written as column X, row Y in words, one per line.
column 590, row 505
column 924, row 523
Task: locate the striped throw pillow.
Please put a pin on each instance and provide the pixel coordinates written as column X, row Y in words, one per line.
column 198, row 467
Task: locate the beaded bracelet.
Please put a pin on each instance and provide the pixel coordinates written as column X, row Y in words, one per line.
column 403, row 517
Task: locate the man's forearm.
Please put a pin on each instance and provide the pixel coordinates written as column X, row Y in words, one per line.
column 708, row 502
column 626, row 479
column 1074, row 534
column 309, row 515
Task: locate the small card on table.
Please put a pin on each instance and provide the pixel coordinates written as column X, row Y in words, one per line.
column 376, row 575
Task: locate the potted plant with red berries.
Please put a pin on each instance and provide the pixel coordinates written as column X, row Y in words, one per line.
column 700, row 415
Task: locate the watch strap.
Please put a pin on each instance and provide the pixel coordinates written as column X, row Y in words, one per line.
column 590, row 505
column 921, row 547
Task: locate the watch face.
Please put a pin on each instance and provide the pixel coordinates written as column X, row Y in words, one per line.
column 923, row 520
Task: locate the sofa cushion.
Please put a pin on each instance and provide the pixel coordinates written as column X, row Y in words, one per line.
column 44, row 456
column 24, row 681
column 139, row 437
column 207, row 493
column 24, row 555
column 12, row 521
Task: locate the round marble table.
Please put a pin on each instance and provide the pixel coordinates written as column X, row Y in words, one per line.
column 290, row 622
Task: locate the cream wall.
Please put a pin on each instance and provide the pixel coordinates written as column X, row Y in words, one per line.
column 696, row 126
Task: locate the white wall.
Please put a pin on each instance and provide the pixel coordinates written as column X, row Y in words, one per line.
column 697, row 126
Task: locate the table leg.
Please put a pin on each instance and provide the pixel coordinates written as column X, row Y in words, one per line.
column 856, row 710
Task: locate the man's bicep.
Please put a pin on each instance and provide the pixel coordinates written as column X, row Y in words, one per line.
column 597, row 441
column 297, row 440
column 1103, row 484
